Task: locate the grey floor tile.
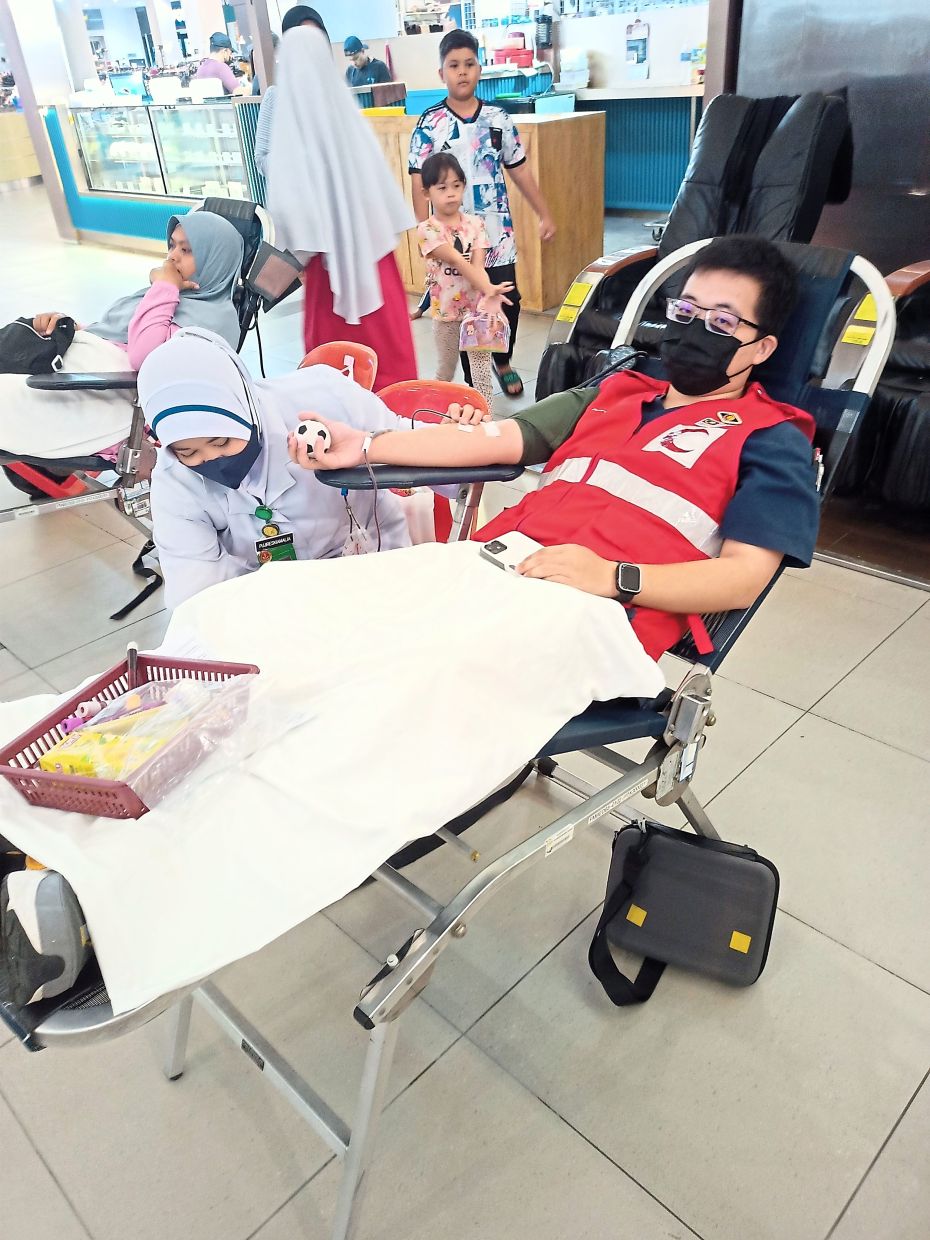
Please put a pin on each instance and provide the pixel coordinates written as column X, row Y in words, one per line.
column 894, row 1200
column 31, row 546
column 844, row 819
column 46, row 615
column 70, row 669
column 33, row 1206
column 209, row 1156
column 890, row 594
column 467, row 1153
column 807, row 636
column 27, row 684
column 752, row 1114
column 10, row 666
column 886, row 695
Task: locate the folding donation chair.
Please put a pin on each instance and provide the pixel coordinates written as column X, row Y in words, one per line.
column 675, row 722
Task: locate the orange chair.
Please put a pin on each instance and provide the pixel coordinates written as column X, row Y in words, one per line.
column 356, row 361
column 425, row 400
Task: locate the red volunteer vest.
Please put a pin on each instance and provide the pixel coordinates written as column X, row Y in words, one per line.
column 649, row 494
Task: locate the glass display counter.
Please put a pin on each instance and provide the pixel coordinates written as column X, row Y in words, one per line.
column 180, row 150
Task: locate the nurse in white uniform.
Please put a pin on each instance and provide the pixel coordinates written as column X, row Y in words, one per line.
column 226, row 498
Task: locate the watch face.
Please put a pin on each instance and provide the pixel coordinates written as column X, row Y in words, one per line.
column 628, row 579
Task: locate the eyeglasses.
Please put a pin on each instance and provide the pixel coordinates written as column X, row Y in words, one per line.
column 719, row 322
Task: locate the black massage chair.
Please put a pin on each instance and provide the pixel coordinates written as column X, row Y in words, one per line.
column 761, row 166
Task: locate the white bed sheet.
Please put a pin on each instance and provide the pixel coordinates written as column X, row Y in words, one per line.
column 60, row 424
column 410, row 684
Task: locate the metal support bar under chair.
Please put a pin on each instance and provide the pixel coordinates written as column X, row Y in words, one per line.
column 466, row 509
column 390, row 994
column 179, row 1019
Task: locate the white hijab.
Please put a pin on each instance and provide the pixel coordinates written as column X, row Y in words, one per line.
column 196, row 386
column 329, row 189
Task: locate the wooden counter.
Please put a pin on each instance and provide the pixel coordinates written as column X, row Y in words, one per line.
column 566, row 155
column 17, row 158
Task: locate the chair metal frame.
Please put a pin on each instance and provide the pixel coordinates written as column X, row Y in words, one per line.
column 676, row 722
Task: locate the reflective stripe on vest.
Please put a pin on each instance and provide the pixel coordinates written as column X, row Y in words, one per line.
column 691, row 522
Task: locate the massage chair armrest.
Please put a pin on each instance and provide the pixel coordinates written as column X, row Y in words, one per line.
column 405, row 477
column 909, row 279
column 59, row 381
column 610, row 264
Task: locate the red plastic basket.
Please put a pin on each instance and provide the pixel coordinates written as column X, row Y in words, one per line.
column 106, row 798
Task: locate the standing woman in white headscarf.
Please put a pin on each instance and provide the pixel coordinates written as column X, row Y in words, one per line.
column 226, row 497
column 335, row 203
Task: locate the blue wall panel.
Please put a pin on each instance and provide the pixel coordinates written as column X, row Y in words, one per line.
column 125, row 217
column 648, row 146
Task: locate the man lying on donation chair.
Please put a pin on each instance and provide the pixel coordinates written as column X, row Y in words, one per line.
column 674, row 498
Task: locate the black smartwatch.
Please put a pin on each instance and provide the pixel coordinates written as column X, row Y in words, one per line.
column 629, row 582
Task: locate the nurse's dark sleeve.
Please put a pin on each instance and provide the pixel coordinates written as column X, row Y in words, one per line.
column 776, row 505
column 546, row 425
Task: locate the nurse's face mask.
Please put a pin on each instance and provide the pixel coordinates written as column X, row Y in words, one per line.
column 231, row 471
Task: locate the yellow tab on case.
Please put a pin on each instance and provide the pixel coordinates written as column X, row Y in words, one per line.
column 867, row 309
column 577, row 294
column 567, row 314
column 858, row 333
column 636, row 915
column 740, row 942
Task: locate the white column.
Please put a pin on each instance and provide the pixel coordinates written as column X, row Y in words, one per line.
column 36, row 54
column 161, row 20
column 73, row 29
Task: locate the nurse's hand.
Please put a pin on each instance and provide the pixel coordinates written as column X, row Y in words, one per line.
column 345, row 451
column 467, row 415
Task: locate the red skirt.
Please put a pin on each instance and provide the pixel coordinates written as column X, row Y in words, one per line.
column 386, row 330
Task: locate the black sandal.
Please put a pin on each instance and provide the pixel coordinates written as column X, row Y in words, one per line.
column 510, row 381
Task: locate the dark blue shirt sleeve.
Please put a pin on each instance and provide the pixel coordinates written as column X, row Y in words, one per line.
column 776, row 504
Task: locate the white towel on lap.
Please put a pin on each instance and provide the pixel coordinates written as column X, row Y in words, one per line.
column 59, row 424
column 423, row 677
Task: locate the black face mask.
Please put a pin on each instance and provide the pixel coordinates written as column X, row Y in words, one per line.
column 231, row 471
column 696, row 359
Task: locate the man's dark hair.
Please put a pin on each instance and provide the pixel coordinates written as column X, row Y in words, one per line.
column 457, row 41
column 300, row 14
column 435, row 165
column 763, row 262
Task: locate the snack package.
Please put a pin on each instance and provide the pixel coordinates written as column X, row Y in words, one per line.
column 177, row 722
column 488, row 333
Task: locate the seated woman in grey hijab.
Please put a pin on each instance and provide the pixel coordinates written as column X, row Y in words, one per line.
column 193, row 287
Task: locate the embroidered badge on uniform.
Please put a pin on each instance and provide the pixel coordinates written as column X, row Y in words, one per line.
column 685, row 444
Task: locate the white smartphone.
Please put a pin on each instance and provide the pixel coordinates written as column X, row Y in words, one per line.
column 509, row 550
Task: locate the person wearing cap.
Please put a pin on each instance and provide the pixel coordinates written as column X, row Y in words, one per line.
column 299, row 15
column 216, row 63
column 364, row 70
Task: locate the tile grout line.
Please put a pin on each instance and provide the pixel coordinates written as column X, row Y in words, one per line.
column 83, row 646
column 613, row 1162
column 874, row 650
column 49, row 568
column 51, row 1174
column 877, row 964
column 881, row 1150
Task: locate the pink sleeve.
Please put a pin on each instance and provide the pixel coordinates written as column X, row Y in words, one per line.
column 153, row 322
column 228, row 78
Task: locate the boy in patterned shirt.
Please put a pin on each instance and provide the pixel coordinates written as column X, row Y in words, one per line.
column 484, row 139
